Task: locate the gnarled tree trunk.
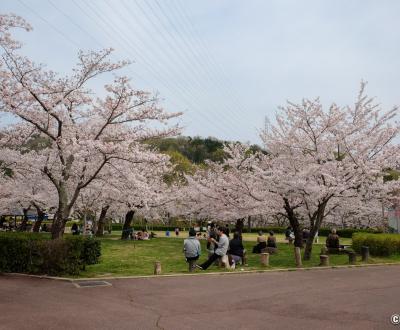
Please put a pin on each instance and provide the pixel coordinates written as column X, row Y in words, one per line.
column 102, row 221
column 63, row 211
column 249, row 223
column 39, row 220
column 58, row 225
column 127, row 224
column 315, row 221
column 23, row 225
column 239, row 226
column 294, row 222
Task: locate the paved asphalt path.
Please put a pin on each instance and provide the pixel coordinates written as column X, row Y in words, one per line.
column 349, row 298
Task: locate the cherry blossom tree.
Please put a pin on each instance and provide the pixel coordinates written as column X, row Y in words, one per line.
column 127, row 188
column 226, row 191
column 86, row 134
column 27, row 190
column 316, row 161
column 323, row 157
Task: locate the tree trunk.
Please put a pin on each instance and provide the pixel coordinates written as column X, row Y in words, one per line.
column 298, row 234
column 239, row 226
column 127, row 224
column 315, row 225
column 249, row 223
column 23, row 225
column 60, row 219
column 102, row 221
column 294, row 223
column 95, row 224
column 38, row 222
column 57, row 227
column 62, row 214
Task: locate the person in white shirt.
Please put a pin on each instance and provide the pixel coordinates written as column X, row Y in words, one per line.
column 222, row 248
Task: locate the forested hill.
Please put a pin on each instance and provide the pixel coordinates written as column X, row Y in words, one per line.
column 195, row 149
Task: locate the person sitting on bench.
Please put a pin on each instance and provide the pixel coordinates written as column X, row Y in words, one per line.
column 271, row 241
column 236, row 249
column 332, row 242
column 262, row 243
column 192, row 249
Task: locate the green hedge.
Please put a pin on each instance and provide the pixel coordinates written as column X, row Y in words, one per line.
column 118, row 227
column 36, row 254
column 379, row 244
column 345, row 233
column 348, row 232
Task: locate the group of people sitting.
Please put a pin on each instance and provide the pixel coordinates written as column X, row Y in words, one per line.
column 218, row 247
column 141, row 235
column 264, row 243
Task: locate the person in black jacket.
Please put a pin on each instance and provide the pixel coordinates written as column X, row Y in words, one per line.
column 236, row 249
column 74, row 229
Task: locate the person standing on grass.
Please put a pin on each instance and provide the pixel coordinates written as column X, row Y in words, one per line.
column 222, row 248
column 191, row 248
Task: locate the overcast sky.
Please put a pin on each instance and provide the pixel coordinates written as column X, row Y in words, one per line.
column 229, row 63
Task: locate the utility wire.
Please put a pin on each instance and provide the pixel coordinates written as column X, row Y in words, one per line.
column 65, row 36
column 188, row 44
column 193, row 31
column 191, row 66
column 128, row 41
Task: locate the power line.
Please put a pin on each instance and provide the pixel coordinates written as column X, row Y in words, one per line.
column 190, row 46
column 150, row 66
column 65, row 36
column 186, row 59
column 193, row 31
column 99, row 43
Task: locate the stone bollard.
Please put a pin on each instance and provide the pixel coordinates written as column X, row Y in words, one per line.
column 224, row 262
column 352, row 258
column 244, row 259
column 264, row 257
column 324, row 260
column 297, row 255
column 157, row 268
column 365, row 253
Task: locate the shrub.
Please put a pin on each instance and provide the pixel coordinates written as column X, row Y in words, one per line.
column 347, row 232
column 91, row 251
column 116, row 226
column 36, row 254
column 379, row 244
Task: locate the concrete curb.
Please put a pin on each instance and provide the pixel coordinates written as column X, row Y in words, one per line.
column 258, row 271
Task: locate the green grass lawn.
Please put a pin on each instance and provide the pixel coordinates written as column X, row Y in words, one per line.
column 127, row 258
